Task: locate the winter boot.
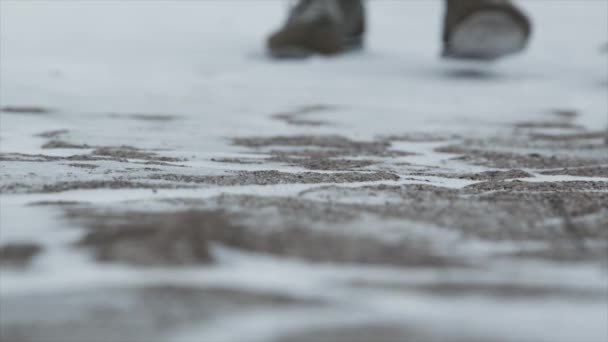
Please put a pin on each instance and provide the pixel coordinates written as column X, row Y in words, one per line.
column 484, row 29
column 325, row 27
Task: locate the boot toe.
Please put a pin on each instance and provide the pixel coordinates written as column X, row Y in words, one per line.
column 299, row 41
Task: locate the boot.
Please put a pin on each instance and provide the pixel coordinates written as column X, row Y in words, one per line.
column 325, row 27
column 484, row 29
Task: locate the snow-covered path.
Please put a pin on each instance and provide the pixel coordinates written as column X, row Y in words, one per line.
column 162, row 179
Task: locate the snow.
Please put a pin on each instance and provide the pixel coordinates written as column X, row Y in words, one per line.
column 204, row 63
column 205, row 60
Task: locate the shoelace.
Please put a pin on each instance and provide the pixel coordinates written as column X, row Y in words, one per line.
column 306, row 11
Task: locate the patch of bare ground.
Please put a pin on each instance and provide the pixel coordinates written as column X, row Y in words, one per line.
column 496, row 290
column 565, row 254
column 423, row 137
column 590, row 171
column 183, row 238
column 325, row 152
column 25, row 110
column 128, row 152
column 530, row 187
column 381, row 332
column 56, row 203
column 495, row 175
column 151, row 313
column 269, row 177
column 17, row 187
column 334, row 145
column 243, row 161
column 18, row 255
column 566, row 224
column 503, row 215
column 84, row 166
column 564, row 114
column 152, row 117
column 581, row 144
column 21, row 157
column 112, row 153
column 63, row 144
column 508, row 160
column 316, row 161
column 101, row 184
column 549, row 124
column 557, row 213
column 568, row 136
column 84, row 185
column 329, row 141
column 297, row 117
column 52, row 134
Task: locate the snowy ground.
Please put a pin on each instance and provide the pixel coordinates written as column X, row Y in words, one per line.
column 163, row 180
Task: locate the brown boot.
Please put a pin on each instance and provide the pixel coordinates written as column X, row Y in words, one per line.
column 324, row 27
column 484, row 29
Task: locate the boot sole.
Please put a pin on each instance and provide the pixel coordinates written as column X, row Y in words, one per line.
column 486, row 35
column 298, row 52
